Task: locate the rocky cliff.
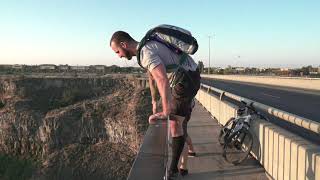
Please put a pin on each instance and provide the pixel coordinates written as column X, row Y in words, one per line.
column 73, row 128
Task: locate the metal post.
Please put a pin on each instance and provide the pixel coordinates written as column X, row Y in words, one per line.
column 210, row 50
column 209, row 55
column 168, row 146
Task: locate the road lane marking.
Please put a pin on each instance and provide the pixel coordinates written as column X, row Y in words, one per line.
column 271, row 95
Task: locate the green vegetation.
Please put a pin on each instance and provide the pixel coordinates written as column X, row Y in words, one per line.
column 70, row 96
column 13, row 168
column 200, row 66
column 2, row 104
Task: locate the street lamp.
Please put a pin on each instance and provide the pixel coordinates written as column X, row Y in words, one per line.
column 209, row 55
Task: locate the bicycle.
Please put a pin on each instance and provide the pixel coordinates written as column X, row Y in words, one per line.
column 235, row 136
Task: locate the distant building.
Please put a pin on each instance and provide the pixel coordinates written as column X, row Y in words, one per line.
column 314, row 70
column 17, row 66
column 5, row 66
column 99, row 67
column 240, row 69
column 79, row 68
column 64, row 67
column 284, row 69
column 47, row 66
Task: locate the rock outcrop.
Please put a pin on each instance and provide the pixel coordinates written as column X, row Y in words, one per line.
column 75, row 128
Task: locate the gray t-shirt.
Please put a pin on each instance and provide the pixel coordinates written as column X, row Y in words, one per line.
column 155, row 53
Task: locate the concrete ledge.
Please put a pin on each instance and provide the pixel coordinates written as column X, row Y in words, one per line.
column 151, row 160
column 283, row 154
column 301, row 83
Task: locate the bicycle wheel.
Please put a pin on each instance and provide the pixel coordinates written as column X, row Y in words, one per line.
column 237, row 147
column 225, row 130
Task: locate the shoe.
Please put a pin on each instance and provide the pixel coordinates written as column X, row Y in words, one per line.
column 191, row 154
column 173, row 175
column 183, row 172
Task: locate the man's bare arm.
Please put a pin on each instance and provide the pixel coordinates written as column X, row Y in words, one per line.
column 154, row 92
column 160, row 76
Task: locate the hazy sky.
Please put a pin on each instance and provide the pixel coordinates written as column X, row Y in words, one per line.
column 245, row 33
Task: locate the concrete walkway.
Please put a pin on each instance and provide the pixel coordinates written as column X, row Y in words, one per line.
column 209, row 163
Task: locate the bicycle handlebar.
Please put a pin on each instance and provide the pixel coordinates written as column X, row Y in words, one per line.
column 250, row 106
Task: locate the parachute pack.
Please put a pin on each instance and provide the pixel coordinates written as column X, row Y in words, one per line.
column 175, row 38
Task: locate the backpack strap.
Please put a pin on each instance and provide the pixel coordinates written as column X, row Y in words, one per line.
column 143, row 42
column 140, row 46
column 182, row 60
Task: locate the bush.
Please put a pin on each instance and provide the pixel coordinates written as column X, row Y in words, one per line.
column 2, row 104
column 15, row 168
column 69, row 96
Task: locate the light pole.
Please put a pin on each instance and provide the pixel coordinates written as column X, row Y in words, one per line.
column 209, row 54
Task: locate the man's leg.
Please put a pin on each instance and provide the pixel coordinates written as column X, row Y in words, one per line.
column 184, row 160
column 178, row 141
column 180, row 106
column 184, row 156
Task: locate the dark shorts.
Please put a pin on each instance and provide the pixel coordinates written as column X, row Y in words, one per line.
column 183, row 94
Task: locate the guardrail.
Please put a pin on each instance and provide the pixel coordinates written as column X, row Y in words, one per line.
column 283, row 154
column 286, row 116
column 150, row 163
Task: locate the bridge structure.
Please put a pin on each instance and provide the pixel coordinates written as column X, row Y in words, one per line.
column 277, row 152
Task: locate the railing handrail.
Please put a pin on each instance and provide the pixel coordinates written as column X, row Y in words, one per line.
column 262, row 76
column 286, row 116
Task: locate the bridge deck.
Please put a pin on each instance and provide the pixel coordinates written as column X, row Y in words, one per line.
column 209, row 163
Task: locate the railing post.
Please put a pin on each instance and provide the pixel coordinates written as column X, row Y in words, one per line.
column 221, row 95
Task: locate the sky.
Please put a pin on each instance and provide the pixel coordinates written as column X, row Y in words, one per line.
column 250, row 33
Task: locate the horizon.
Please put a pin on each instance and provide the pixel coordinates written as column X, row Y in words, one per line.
column 244, row 34
column 139, row 66
column 206, row 65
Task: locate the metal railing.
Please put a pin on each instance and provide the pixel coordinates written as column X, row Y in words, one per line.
column 286, row 116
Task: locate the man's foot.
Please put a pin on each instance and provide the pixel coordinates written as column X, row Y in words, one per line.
column 173, row 175
column 191, row 154
column 184, row 172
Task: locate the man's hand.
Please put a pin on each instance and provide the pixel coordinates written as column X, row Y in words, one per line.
column 158, row 116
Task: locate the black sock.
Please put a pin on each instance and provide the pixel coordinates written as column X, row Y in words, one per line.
column 177, row 147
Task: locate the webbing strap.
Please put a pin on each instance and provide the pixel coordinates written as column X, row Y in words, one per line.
column 182, row 60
